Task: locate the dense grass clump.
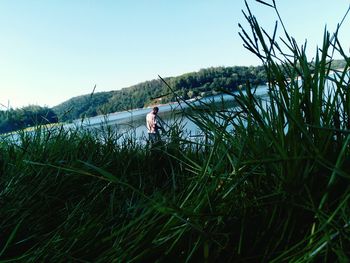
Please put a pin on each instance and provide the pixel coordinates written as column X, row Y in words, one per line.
column 66, row 195
column 269, row 181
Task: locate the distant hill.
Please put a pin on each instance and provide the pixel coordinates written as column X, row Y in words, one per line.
column 205, row 82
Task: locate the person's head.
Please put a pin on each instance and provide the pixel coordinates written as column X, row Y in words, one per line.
column 155, row 110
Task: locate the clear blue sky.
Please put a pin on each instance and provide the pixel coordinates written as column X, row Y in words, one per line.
column 52, row 50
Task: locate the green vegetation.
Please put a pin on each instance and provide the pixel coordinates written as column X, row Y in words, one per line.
column 11, row 119
column 205, row 82
column 269, row 182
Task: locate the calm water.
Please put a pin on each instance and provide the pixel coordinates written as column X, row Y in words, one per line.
column 134, row 120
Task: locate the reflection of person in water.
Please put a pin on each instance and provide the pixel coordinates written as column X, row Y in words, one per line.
column 152, row 125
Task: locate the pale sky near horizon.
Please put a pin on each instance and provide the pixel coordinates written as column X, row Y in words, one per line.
column 52, row 50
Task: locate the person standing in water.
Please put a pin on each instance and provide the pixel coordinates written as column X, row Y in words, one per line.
column 152, row 125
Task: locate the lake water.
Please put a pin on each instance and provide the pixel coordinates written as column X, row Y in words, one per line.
column 134, row 120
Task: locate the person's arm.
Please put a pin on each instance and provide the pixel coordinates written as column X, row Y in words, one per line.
column 159, row 126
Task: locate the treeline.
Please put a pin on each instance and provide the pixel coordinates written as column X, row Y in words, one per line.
column 338, row 64
column 16, row 119
column 205, row 82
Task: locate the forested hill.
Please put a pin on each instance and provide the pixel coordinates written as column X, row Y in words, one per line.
column 205, row 82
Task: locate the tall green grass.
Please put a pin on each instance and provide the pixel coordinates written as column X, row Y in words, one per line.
column 269, row 181
column 66, row 195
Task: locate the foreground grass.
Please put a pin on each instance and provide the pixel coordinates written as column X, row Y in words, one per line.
column 65, row 195
column 268, row 182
